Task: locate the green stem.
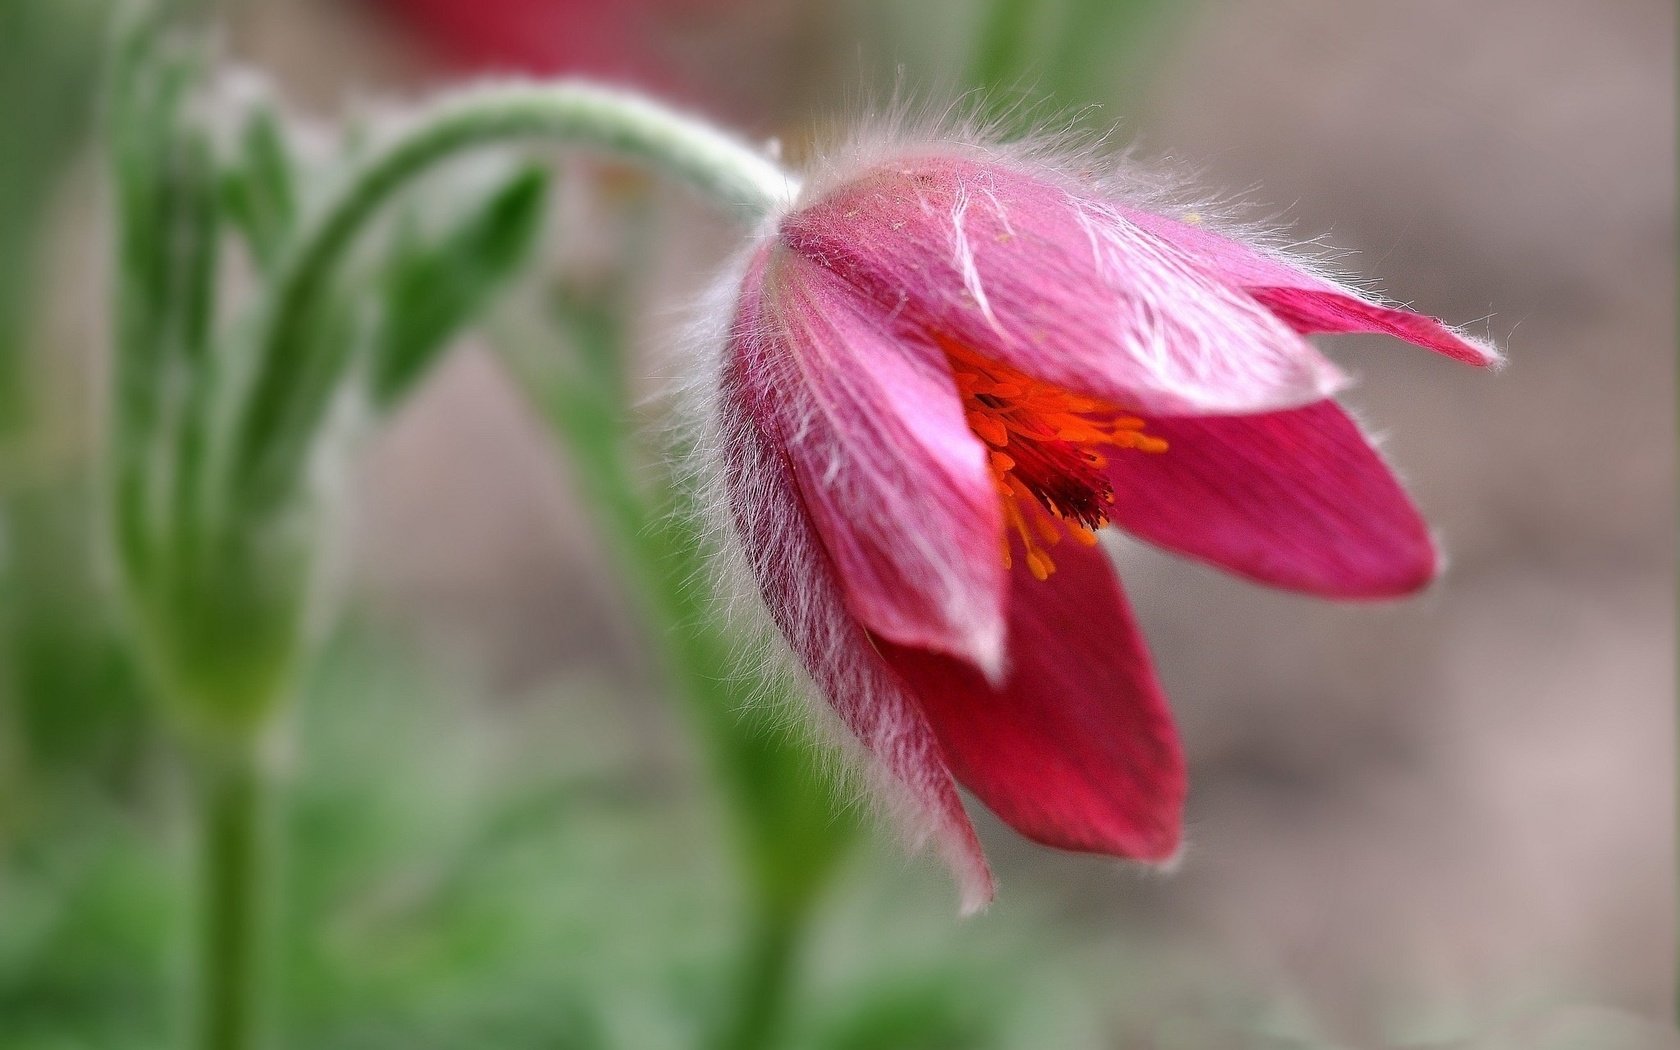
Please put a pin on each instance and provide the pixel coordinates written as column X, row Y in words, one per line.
column 790, row 829
column 236, row 853
column 579, row 114
column 766, row 979
column 766, row 780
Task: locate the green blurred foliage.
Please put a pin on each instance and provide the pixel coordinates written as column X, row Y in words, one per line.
column 215, row 595
column 790, row 825
column 1025, row 64
column 793, row 825
column 534, row 879
column 531, row 871
column 226, row 411
column 1061, row 55
column 48, row 51
column 77, row 709
column 70, row 711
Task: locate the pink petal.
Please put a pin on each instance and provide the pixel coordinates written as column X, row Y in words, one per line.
column 797, row 579
column 1297, row 499
column 1306, row 301
column 1077, row 750
column 873, row 430
column 1058, row 285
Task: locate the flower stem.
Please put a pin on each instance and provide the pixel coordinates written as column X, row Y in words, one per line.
column 790, row 828
column 572, row 113
column 236, row 855
column 768, row 966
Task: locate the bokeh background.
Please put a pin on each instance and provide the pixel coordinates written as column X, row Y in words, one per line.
column 1445, row 823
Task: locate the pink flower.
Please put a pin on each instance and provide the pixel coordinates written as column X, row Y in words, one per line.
column 946, row 373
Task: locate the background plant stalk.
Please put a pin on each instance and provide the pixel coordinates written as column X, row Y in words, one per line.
column 237, row 789
column 215, row 480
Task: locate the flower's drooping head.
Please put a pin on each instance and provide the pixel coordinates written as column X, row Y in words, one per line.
column 946, row 372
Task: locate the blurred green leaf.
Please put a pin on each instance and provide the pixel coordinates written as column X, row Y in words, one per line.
column 258, row 190
column 432, row 289
column 216, row 594
column 424, row 289
column 168, row 236
column 1033, row 58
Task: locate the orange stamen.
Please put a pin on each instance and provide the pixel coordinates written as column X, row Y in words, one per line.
column 1051, row 477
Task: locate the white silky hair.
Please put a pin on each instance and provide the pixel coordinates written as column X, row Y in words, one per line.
column 1065, row 149
column 715, row 440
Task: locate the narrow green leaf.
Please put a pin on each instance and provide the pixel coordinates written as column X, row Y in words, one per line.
column 168, row 222
column 194, row 241
column 433, row 290
column 260, row 191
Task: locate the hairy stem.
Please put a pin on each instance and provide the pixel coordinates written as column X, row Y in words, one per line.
column 570, row 113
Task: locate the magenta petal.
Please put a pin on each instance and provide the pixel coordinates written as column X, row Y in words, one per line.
column 1058, row 285
column 1077, row 750
column 796, row 577
column 873, row 430
column 1297, row 499
column 1305, row 301
column 1336, row 310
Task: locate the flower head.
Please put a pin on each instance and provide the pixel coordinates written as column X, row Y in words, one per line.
column 946, row 372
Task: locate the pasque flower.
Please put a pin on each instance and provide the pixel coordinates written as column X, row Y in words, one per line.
column 946, row 371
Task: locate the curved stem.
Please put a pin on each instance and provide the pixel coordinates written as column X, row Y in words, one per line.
column 572, row 113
